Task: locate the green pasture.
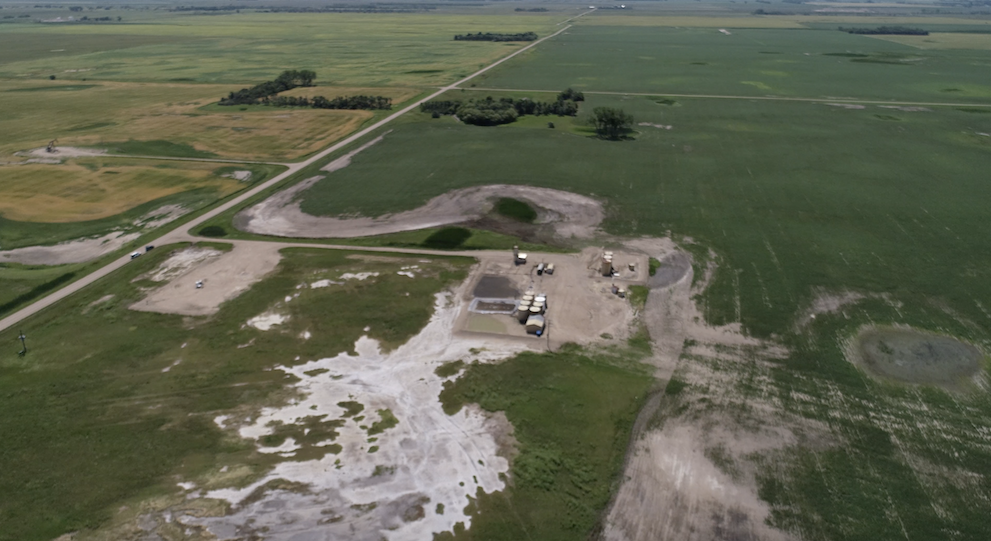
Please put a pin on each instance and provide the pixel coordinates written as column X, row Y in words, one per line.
column 354, row 49
column 98, row 415
column 748, row 62
column 572, row 413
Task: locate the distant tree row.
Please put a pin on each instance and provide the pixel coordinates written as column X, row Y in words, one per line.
column 319, row 102
column 287, row 80
column 533, row 10
column 492, row 112
column 489, row 36
column 886, row 31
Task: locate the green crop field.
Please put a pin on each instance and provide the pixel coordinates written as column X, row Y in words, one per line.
column 748, row 62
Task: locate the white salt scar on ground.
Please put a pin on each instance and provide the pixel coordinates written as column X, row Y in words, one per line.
column 358, row 275
column 266, row 321
column 427, row 459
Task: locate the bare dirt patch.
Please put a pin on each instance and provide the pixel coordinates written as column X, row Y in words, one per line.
column 60, row 153
column 580, row 305
column 568, row 215
column 224, row 277
column 684, row 479
column 911, row 356
column 76, row 251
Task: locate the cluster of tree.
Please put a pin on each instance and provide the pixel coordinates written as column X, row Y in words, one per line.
column 489, row 36
column 492, row 112
column 320, row 102
column 287, row 80
column 96, row 19
column 534, row 10
column 611, row 123
column 887, row 31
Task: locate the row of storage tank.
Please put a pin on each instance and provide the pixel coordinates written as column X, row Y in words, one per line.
column 531, row 305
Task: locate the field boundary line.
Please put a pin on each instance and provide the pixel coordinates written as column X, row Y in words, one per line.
column 181, row 234
column 730, row 97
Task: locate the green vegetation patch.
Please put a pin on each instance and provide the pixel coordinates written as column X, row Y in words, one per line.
column 572, row 414
column 351, row 408
column 517, row 210
column 53, row 88
column 212, row 231
column 159, row 148
column 386, row 421
column 448, row 238
column 653, row 264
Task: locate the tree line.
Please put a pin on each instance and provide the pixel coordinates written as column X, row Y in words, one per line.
column 267, row 94
column 320, row 102
column 287, row 80
column 886, row 31
column 489, row 36
column 492, row 112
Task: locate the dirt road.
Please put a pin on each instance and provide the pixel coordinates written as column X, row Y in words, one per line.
column 180, row 235
column 733, row 97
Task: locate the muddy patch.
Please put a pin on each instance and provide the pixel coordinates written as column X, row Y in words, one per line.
column 910, row 356
column 76, row 251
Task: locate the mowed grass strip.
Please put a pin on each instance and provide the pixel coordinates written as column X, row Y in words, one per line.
column 100, row 414
column 105, row 113
column 92, row 188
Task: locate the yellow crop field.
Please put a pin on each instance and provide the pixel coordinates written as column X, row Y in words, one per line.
column 94, row 113
column 92, row 188
column 944, row 40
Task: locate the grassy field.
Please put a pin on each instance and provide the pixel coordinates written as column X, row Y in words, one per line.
column 110, row 114
column 572, row 413
column 748, row 62
column 97, row 415
column 352, row 49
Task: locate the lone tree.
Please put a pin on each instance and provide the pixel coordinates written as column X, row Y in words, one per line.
column 611, row 123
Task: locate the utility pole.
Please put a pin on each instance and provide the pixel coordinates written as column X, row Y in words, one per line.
column 24, row 347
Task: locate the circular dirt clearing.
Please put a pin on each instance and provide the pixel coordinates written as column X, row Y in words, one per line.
column 911, row 356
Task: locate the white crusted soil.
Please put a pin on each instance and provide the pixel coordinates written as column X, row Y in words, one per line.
column 428, row 458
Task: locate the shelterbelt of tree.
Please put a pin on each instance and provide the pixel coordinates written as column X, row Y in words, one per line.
column 489, row 36
column 886, row 31
column 267, row 94
column 492, row 112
